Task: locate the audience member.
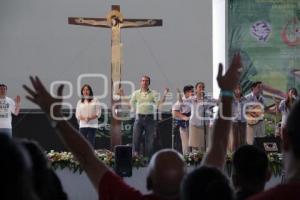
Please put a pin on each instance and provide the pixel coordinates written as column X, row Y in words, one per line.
column 15, row 171
column 291, row 153
column 207, row 183
column 46, row 183
column 250, row 171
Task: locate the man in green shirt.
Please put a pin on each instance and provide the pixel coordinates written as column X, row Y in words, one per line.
column 145, row 102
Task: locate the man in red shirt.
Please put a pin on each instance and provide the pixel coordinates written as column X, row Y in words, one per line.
column 166, row 167
column 291, row 150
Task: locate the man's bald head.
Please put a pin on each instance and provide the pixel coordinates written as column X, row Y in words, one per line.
column 166, row 170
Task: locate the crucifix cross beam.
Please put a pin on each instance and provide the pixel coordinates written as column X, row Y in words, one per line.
column 115, row 21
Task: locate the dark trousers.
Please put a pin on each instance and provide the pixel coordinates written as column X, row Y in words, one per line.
column 89, row 134
column 147, row 125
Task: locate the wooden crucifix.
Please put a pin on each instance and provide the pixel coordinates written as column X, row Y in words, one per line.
column 115, row 21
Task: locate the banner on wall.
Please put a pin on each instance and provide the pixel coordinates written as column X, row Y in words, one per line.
column 267, row 33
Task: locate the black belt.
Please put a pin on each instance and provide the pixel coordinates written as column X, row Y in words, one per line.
column 145, row 115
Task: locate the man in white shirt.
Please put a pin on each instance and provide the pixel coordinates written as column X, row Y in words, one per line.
column 7, row 107
column 255, row 126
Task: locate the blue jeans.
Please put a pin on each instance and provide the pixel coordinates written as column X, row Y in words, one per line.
column 148, row 124
column 6, row 131
column 89, row 134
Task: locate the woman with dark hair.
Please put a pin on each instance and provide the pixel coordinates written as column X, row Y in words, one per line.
column 87, row 112
column 286, row 105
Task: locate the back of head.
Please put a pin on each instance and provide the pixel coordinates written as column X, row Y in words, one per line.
column 166, row 170
column 15, row 171
column 206, row 183
column 293, row 130
column 250, row 164
column 46, row 182
column 36, row 153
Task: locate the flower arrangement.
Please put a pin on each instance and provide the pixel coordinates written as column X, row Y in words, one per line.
column 193, row 158
column 61, row 160
column 275, row 163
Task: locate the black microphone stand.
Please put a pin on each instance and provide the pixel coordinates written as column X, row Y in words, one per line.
column 204, row 123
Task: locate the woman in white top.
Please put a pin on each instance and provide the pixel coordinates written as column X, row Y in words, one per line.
column 286, row 105
column 87, row 112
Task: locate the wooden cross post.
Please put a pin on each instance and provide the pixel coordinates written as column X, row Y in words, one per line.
column 115, row 21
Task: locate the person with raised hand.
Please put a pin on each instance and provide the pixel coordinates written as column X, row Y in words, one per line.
column 7, row 108
column 217, row 150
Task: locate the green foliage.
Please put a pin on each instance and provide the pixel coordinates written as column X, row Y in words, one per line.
column 62, row 160
column 270, row 123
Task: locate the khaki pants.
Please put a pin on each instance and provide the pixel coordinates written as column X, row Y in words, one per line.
column 184, row 136
column 197, row 137
column 257, row 130
column 238, row 135
column 230, row 140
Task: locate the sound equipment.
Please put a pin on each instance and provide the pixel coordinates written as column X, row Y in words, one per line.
column 268, row 144
column 123, row 160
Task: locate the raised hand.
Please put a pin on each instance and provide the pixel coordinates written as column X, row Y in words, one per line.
column 120, row 92
column 166, row 91
column 41, row 97
column 232, row 75
column 18, row 100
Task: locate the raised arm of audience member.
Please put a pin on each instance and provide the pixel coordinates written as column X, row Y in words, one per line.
column 218, row 147
column 80, row 147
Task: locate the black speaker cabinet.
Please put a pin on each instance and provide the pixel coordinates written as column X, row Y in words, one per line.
column 123, row 158
column 268, row 144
